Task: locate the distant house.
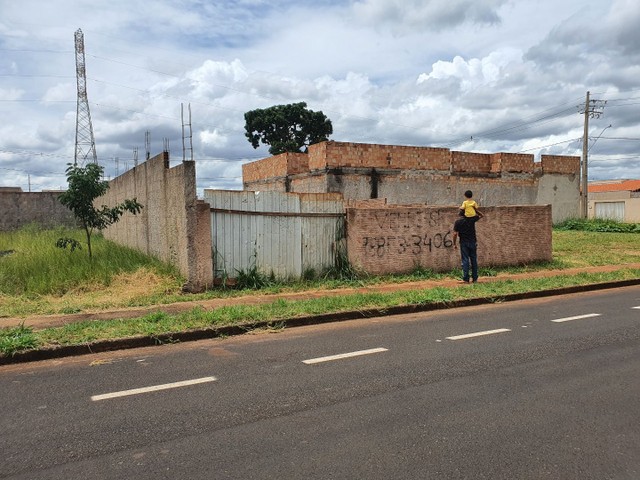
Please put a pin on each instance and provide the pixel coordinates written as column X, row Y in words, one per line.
column 615, row 199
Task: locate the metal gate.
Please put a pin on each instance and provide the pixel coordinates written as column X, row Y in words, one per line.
column 281, row 233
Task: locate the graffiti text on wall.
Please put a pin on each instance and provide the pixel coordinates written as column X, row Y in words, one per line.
column 406, row 244
column 407, row 220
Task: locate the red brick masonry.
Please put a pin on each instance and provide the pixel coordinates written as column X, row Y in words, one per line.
column 399, row 239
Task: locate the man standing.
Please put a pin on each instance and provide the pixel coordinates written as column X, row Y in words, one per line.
column 465, row 228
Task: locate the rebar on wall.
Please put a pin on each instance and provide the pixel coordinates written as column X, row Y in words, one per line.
column 85, row 142
column 188, row 136
column 147, row 144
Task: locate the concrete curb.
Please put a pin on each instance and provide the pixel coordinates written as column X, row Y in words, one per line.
column 214, row 332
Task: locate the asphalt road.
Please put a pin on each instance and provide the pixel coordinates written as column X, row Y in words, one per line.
column 539, row 389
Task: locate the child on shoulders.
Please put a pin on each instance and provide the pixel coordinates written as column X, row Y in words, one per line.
column 470, row 206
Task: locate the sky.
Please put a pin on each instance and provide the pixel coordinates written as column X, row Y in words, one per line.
column 469, row 75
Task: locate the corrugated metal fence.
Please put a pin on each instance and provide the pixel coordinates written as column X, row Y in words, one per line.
column 283, row 233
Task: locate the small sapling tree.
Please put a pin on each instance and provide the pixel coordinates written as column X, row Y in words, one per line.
column 85, row 185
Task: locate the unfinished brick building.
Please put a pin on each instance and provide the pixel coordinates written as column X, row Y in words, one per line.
column 405, row 175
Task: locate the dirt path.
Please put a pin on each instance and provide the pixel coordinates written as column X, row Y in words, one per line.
column 45, row 321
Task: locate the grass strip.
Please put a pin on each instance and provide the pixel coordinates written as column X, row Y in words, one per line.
column 24, row 338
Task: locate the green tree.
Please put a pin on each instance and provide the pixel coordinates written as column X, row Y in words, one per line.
column 85, row 185
column 286, row 128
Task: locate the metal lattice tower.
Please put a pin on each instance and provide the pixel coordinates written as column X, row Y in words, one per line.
column 85, row 142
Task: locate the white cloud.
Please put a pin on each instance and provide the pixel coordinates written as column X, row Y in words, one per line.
column 404, row 15
column 474, row 72
column 213, row 138
column 11, row 94
column 478, row 75
column 212, row 79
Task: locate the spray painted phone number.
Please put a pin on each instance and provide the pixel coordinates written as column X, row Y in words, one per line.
column 411, row 244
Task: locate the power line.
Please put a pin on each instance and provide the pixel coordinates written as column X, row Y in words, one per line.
column 550, row 145
column 492, row 133
column 538, row 117
column 25, row 75
column 615, row 159
column 623, row 105
column 621, row 138
column 488, row 133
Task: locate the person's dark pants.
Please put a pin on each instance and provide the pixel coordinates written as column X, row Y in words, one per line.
column 469, row 254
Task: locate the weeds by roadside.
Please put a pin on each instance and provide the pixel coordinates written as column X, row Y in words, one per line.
column 160, row 323
column 126, row 278
column 16, row 339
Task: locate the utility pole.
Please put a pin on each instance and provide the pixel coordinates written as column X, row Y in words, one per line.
column 592, row 109
column 584, row 193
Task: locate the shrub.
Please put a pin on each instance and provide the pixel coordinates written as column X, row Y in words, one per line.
column 598, row 225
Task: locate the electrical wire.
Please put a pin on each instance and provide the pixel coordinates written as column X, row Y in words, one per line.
column 550, row 145
column 533, row 120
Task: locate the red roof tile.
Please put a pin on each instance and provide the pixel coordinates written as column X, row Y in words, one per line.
column 622, row 186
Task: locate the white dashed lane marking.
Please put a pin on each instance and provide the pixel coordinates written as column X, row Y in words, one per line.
column 155, row 388
column 341, row 356
column 478, row 334
column 577, row 317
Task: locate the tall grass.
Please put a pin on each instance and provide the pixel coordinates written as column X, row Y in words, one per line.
column 38, row 278
column 33, row 265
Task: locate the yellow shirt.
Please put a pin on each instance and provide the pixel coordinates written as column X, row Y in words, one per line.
column 469, row 207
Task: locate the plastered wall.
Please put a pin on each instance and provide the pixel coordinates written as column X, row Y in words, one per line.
column 18, row 209
column 398, row 239
column 173, row 225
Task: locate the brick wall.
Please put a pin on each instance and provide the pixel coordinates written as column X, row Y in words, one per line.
column 361, row 155
column 318, row 156
column 468, row 162
column 18, row 209
column 399, row 239
column 330, row 155
column 560, row 164
column 277, row 166
column 512, row 163
column 373, row 203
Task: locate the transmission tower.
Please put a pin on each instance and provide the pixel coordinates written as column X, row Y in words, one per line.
column 85, row 143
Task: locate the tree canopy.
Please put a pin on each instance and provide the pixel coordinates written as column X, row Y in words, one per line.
column 286, row 128
column 85, row 185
